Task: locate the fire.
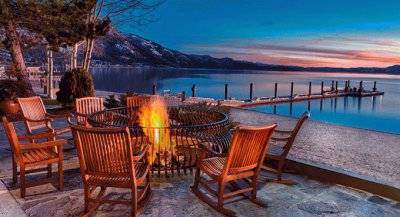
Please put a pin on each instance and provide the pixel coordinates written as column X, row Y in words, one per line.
column 154, row 120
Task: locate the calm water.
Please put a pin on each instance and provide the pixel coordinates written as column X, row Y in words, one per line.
column 378, row 113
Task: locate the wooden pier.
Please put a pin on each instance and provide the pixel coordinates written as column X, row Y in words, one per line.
column 333, row 92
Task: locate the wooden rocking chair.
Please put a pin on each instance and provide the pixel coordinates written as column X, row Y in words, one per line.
column 277, row 152
column 106, row 160
column 138, row 101
column 36, row 116
column 34, row 155
column 86, row 106
column 242, row 162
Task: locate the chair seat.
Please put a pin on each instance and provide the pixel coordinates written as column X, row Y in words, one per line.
column 213, row 166
column 122, row 181
column 35, row 156
column 274, row 151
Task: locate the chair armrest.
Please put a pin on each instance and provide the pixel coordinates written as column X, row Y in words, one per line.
column 283, row 131
column 59, row 116
column 41, row 135
column 75, row 114
column 69, row 120
column 280, row 139
column 48, row 144
column 141, row 154
column 39, row 120
column 209, row 150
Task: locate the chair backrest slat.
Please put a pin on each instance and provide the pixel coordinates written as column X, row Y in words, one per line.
column 33, row 108
column 87, row 106
column 248, row 147
column 104, row 152
column 138, row 101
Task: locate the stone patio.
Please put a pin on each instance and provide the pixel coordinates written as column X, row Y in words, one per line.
column 173, row 197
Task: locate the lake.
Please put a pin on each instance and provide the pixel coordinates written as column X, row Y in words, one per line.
column 379, row 113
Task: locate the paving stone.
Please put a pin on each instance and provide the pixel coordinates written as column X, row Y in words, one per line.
column 33, row 203
column 319, row 208
column 51, row 208
column 9, row 207
column 368, row 209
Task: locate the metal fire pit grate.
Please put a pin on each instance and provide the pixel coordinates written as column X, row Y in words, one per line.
column 187, row 128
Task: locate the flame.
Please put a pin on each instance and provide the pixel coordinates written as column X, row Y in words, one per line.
column 154, row 120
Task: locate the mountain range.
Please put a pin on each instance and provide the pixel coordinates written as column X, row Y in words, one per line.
column 117, row 48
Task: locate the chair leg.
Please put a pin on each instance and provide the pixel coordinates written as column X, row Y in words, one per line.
column 221, row 188
column 96, row 202
column 60, row 175
column 23, row 182
column 280, row 168
column 253, row 197
column 196, row 179
column 281, row 163
column 220, row 207
column 134, row 202
column 49, row 170
column 15, row 171
column 86, row 190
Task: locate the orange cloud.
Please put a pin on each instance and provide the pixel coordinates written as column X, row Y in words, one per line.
column 331, row 52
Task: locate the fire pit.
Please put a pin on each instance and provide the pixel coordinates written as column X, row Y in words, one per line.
column 173, row 133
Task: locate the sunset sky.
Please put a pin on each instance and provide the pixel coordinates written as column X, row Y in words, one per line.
column 340, row 33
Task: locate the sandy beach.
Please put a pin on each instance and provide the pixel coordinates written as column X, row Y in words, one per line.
column 364, row 152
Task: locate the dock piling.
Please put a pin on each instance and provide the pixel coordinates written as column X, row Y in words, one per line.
column 251, row 92
column 291, row 91
column 183, row 96
column 374, row 89
column 333, row 85
column 336, row 87
column 322, row 88
column 361, row 86
column 226, row 92
column 194, row 90
column 276, row 91
column 154, row 89
column 309, row 89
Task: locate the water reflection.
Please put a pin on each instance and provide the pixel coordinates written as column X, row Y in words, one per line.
column 351, row 111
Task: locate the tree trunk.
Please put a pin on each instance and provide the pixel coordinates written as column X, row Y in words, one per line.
column 89, row 55
column 86, row 55
column 50, row 74
column 14, row 47
column 74, row 56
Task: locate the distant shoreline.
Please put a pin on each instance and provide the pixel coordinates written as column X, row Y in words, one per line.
column 339, row 70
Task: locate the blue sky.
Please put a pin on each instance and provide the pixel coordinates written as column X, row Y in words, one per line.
column 296, row 32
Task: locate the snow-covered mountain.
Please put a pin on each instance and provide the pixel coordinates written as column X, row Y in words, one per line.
column 117, row 48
